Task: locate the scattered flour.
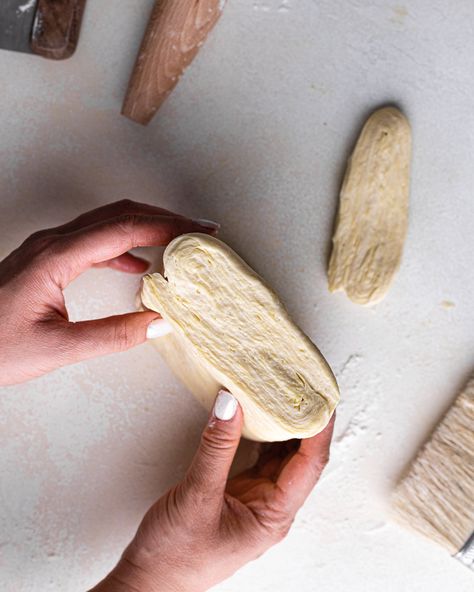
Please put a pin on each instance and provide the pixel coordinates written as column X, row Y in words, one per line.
column 29, row 5
column 269, row 6
column 355, row 411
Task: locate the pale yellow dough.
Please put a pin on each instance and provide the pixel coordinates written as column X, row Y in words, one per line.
column 230, row 330
column 373, row 209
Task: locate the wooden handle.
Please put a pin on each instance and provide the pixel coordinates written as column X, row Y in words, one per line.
column 56, row 28
column 176, row 30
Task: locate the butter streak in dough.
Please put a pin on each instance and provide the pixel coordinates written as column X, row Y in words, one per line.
column 373, row 210
column 231, row 330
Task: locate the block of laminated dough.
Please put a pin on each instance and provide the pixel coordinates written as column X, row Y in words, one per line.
column 230, row 330
column 372, row 219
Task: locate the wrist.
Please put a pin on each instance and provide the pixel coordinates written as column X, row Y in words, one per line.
column 128, row 577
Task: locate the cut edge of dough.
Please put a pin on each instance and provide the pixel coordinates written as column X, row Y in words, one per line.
column 275, row 427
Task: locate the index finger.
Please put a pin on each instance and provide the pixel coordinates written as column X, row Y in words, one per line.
column 112, row 210
column 77, row 251
column 304, row 469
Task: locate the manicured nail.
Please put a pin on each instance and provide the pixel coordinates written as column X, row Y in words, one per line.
column 158, row 328
column 225, row 406
column 207, row 224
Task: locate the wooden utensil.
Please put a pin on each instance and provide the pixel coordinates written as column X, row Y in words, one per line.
column 56, row 28
column 49, row 28
column 176, row 31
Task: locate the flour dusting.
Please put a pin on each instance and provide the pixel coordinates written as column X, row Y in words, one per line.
column 356, row 408
column 284, row 6
column 26, row 7
column 281, row 6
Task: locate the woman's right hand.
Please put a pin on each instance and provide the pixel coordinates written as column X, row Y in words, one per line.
column 206, row 527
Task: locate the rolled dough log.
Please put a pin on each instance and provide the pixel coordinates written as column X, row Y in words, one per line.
column 372, row 219
column 230, row 330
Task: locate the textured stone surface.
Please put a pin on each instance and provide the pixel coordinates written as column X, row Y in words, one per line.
column 257, row 136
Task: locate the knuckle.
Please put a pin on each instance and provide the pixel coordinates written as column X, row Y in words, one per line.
column 281, row 532
column 39, row 241
column 125, row 221
column 38, row 258
column 51, row 251
column 280, row 529
column 126, row 224
column 216, row 440
column 276, row 522
column 44, row 250
column 125, row 203
column 122, row 337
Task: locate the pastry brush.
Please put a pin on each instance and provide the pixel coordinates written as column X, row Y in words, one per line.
column 436, row 497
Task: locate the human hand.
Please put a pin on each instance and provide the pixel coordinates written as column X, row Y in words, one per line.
column 206, row 527
column 35, row 333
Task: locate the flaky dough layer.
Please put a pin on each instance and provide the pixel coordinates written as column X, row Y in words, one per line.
column 231, row 330
column 373, row 209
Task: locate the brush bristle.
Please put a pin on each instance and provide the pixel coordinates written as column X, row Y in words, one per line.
column 436, row 498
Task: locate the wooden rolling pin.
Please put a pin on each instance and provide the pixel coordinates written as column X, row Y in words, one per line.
column 176, row 31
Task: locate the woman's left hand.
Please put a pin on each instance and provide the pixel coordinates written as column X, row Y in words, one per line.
column 35, row 333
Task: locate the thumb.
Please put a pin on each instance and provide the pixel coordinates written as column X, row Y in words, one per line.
column 211, row 464
column 88, row 339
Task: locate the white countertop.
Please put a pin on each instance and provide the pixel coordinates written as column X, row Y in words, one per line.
column 256, row 136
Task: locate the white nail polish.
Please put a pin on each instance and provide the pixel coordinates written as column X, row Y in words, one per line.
column 158, row 328
column 225, row 406
column 207, row 223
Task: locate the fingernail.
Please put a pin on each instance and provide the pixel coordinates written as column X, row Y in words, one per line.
column 225, row 406
column 207, row 224
column 158, row 328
